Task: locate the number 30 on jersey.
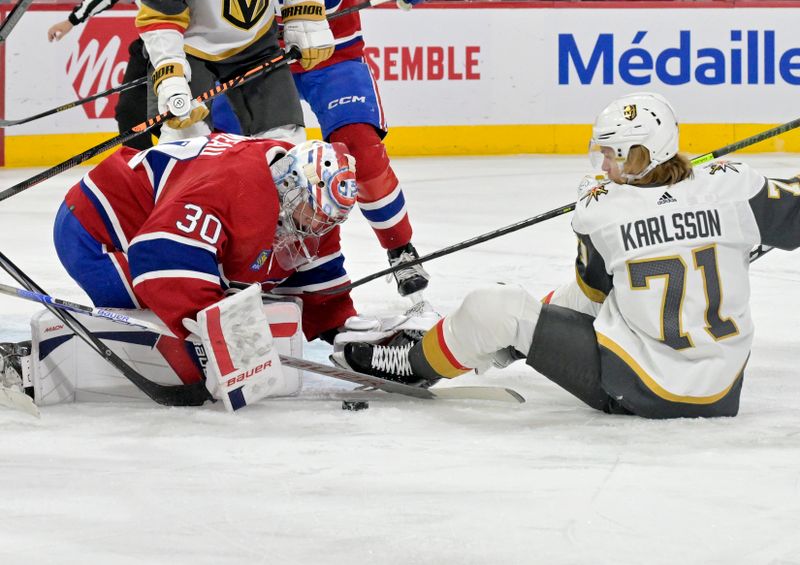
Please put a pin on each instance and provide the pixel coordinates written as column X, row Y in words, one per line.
column 207, row 226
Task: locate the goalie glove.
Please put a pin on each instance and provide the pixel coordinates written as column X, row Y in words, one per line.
column 305, row 26
column 174, row 95
column 243, row 365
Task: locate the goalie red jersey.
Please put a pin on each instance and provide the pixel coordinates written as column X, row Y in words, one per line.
column 181, row 221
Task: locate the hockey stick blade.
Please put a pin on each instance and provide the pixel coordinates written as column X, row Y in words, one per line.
column 446, row 393
column 474, row 392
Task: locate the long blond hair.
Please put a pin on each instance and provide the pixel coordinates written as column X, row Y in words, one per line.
column 669, row 172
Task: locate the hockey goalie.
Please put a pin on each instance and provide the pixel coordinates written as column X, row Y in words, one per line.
column 166, row 232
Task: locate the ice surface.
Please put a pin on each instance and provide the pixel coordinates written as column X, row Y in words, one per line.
column 409, row 481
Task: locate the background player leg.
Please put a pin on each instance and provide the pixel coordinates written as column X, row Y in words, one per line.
column 132, row 105
column 101, row 272
column 381, row 200
column 345, row 100
column 268, row 106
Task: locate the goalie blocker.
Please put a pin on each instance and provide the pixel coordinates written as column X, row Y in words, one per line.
column 242, row 368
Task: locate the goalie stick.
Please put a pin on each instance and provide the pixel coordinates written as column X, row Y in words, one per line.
column 456, row 392
column 566, row 209
column 175, row 395
column 281, row 60
column 143, row 80
column 16, row 13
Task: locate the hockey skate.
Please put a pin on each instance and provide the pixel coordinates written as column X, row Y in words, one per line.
column 409, row 279
column 14, row 372
column 388, row 361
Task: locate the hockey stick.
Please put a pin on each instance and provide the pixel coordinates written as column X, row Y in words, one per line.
column 759, row 251
column 16, row 13
column 357, row 7
column 280, row 61
column 566, row 209
column 68, row 306
column 467, row 393
column 143, row 80
column 122, row 87
column 168, row 395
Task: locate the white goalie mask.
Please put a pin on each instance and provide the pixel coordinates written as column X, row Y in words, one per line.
column 316, row 184
column 641, row 118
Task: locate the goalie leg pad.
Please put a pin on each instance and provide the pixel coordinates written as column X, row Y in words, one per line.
column 243, row 364
column 65, row 369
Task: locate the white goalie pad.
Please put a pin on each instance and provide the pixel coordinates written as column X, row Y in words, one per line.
column 65, row 369
column 242, row 364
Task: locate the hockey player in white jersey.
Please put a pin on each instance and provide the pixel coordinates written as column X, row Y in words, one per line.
column 193, row 43
column 657, row 321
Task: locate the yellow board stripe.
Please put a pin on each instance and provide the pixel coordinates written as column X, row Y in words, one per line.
column 47, row 150
column 650, row 383
column 697, row 139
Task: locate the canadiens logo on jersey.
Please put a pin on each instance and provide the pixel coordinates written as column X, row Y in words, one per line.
column 629, row 112
column 261, row 260
column 722, row 167
column 244, row 14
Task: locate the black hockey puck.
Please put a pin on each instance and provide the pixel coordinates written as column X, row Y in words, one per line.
column 355, row 405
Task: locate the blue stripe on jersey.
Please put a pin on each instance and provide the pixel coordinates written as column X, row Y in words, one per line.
column 386, row 212
column 164, row 254
column 356, row 39
column 112, row 234
column 327, row 271
column 158, row 163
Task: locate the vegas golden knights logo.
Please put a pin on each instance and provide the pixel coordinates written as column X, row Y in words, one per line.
column 629, row 112
column 244, row 14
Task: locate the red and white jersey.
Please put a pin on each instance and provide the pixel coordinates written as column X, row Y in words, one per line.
column 669, row 264
column 195, row 215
